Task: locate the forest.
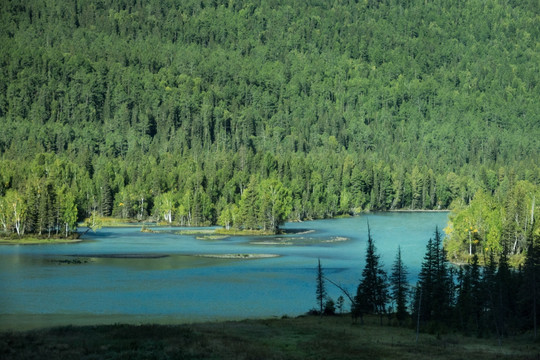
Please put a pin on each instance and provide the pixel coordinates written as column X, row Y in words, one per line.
column 250, row 113
column 477, row 300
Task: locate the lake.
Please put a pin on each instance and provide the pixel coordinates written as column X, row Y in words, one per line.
column 125, row 275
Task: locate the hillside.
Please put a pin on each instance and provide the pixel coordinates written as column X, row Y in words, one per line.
column 177, row 109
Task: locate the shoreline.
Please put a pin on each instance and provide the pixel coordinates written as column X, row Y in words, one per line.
column 36, row 241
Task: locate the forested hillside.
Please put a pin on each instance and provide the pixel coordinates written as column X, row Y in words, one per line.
column 186, row 111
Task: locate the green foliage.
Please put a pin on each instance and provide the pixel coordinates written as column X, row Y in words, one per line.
column 94, row 222
column 350, row 106
column 398, row 287
column 493, row 223
column 434, row 292
column 372, row 292
column 320, row 292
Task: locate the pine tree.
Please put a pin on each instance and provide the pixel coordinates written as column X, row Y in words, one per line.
column 470, row 298
column 478, row 295
column 249, row 206
column 106, row 198
column 489, row 287
column 530, row 289
column 398, row 286
column 503, row 295
column 321, row 288
column 372, row 293
column 443, row 295
column 435, row 285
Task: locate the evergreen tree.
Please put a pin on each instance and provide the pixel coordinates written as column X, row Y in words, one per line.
column 372, row 292
column 435, row 285
column 470, row 297
column 106, row 198
column 248, row 208
column 503, row 295
column 490, row 289
column 398, row 287
column 529, row 294
column 321, row 288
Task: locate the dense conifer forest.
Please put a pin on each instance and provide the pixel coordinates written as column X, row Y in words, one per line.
column 250, row 113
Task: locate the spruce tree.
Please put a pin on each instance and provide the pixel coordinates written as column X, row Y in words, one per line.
column 470, row 300
column 372, row 293
column 321, row 289
column 443, row 287
column 530, row 290
column 435, row 284
column 489, row 287
column 503, row 295
column 249, row 206
column 398, row 285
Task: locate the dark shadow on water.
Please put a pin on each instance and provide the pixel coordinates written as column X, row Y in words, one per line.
column 121, row 256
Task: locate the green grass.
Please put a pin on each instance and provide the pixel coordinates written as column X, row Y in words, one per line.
column 308, row 337
column 117, row 222
column 37, row 239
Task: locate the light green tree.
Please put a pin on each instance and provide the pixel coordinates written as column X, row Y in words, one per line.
column 15, row 210
column 69, row 211
column 94, row 222
column 228, row 216
column 248, row 208
column 164, row 205
column 275, row 204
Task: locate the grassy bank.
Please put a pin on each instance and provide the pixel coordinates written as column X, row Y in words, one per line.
column 105, row 221
column 34, row 239
column 300, row 338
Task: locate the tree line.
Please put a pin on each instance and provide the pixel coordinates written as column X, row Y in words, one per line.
column 493, row 299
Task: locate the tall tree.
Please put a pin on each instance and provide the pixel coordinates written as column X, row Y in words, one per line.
column 320, row 292
column 435, row 284
column 248, row 209
column 399, row 287
column 372, row 292
column 470, row 297
column 275, row 204
column 69, row 211
column 529, row 294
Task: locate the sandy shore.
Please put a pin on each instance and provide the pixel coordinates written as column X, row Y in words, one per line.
column 238, row 256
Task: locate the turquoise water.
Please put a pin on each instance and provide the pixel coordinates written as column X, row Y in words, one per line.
column 163, row 281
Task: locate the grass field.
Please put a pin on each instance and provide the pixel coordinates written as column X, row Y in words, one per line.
column 309, row 337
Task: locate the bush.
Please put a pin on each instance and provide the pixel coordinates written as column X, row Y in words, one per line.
column 329, row 307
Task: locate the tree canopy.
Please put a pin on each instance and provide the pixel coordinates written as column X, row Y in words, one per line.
column 180, row 110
